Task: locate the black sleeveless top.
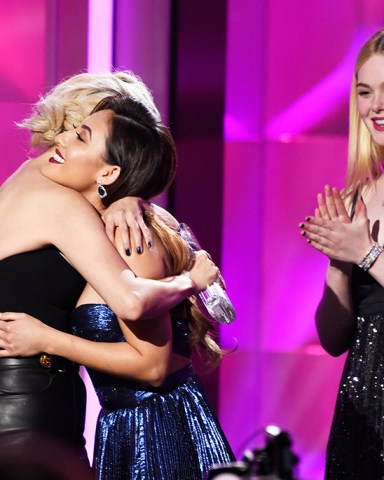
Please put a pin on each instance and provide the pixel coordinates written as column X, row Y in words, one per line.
column 367, row 293
column 41, row 283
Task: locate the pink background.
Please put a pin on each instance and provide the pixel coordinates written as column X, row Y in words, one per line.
column 288, row 70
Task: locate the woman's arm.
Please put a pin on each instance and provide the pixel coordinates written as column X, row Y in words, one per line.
column 144, row 357
column 23, row 335
column 71, row 223
column 334, row 314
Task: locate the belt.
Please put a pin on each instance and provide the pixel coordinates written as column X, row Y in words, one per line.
column 50, row 362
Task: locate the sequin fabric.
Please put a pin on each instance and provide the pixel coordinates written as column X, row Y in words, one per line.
column 356, row 444
column 165, row 433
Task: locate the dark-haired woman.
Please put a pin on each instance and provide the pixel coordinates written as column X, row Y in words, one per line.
column 155, row 420
column 52, row 237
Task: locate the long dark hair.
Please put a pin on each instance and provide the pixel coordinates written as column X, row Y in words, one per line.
column 141, row 146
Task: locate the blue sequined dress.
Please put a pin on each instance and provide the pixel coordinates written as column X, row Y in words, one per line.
column 164, row 433
column 356, row 444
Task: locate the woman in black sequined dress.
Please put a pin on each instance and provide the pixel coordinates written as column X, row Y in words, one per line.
column 349, row 229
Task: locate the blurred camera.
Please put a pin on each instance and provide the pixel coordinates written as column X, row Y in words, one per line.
column 275, row 461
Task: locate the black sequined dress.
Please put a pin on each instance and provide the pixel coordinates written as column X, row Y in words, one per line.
column 356, row 444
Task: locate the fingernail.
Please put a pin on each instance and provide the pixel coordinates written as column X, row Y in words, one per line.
column 149, row 245
column 308, row 240
column 301, row 225
column 139, row 250
column 308, row 219
column 303, row 233
column 128, row 252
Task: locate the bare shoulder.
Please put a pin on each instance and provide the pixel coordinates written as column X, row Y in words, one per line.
column 152, row 263
column 59, row 198
column 54, row 208
column 35, row 212
column 27, row 196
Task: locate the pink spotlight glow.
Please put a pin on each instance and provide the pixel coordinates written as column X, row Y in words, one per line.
column 100, row 49
column 100, row 35
column 321, row 100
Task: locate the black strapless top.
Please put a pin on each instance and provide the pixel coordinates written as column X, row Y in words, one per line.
column 41, row 283
column 367, row 293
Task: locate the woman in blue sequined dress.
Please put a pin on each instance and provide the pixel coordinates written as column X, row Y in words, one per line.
column 155, row 421
column 160, row 425
column 350, row 317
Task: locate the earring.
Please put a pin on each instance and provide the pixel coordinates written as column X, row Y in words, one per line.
column 101, row 191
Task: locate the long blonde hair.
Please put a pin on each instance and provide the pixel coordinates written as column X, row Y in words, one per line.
column 202, row 332
column 365, row 157
column 68, row 103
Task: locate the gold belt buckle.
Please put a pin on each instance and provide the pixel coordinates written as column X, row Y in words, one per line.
column 45, row 360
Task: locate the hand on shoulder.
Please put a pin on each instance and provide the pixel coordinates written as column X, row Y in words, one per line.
column 147, row 262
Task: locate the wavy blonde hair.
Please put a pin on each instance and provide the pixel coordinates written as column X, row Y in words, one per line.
column 67, row 104
column 202, row 332
column 365, row 157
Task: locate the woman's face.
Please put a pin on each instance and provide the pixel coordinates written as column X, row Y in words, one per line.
column 77, row 157
column 370, row 96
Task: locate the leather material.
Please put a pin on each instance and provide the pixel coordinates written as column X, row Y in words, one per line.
column 34, row 398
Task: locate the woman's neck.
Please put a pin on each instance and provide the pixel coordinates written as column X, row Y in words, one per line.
column 91, row 196
column 94, row 199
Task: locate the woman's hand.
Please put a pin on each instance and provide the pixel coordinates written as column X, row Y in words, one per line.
column 127, row 214
column 20, row 335
column 340, row 240
column 204, row 272
column 331, row 206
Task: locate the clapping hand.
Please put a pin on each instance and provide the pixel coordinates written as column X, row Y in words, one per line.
column 333, row 233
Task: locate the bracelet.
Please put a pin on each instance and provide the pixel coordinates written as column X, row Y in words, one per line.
column 370, row 257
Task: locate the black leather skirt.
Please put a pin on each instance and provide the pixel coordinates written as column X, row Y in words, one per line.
column 42, row 394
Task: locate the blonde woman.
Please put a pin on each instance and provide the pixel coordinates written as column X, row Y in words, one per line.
column 348, row 228
column 65, row 106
